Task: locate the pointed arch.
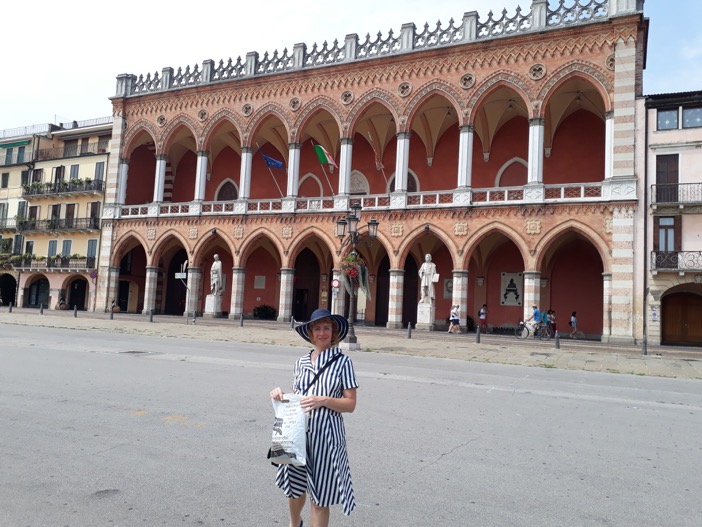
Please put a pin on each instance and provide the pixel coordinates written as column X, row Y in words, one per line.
column 436, row 87
column 222, row 116
column 260, row 116
column 547, row 241
column 506, row 165
column 587, row 72
column 374, row 96
column 167, row 136
column 508, row 232
column 255, row 240
column 311, row 108
column 133, row 134
column 502, row 78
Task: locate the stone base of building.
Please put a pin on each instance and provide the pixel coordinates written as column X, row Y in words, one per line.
column 394, row 325
column 614, row 339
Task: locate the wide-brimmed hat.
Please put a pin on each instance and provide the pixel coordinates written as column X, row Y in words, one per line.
column 341, row 323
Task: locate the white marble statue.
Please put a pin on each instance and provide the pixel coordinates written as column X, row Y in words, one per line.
column 428, row 277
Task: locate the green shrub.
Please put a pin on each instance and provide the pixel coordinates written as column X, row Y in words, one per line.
column 265, row 312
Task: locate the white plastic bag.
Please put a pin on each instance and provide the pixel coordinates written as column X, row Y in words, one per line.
column 289, row 439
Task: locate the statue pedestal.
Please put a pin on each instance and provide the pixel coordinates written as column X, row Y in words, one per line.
column 213, row 306
column 426, row 316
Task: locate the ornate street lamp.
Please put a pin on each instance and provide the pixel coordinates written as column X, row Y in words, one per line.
column 351, row 222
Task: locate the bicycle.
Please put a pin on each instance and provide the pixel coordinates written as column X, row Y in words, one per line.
column 542, row 331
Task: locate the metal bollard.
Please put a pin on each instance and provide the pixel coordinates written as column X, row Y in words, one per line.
column 477, row 335
column 151, row 315
column 41, row 309
column 409, row 330
column 557, row 339
column 292, row 323
column 194, row 317
column 75, row 311
column 112, row 314
column 241, row 321
column 10, row 308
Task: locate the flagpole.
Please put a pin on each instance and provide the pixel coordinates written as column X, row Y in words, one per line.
column 325, row 173
column 271, row 173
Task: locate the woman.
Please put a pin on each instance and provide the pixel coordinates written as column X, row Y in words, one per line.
column 574, row 323
column 454, row 320
column 326, row 477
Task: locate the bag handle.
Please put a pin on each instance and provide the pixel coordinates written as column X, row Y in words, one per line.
column 321, row 370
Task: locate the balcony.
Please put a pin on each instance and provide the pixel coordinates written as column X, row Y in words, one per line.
column 59, row 224
column 54, row 263
column 676, row 197
column 8, row 224
column 66, row 186
column 47, row 154
column 676, row 261
column 15, row 158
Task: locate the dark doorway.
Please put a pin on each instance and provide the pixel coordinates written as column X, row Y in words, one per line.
column 123, row 296
column 176, row 290
column 38, row 294
column 681, row 321
column 382, row 292
column 77, row 294
column 410, row 292
column 306, row 294
column 8, row 288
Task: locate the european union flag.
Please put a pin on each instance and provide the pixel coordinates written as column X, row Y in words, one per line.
column 272, row 163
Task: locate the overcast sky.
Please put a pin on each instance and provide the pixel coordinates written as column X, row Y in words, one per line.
column 65, row 58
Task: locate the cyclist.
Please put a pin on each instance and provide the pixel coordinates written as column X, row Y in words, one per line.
column 535, row 317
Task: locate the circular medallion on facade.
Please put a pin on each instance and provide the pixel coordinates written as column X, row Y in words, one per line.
column 295, row 104
column 347, row 97
column 610, row 62
column 247, row 109
column 537, row 72
column 404, row 89
column 202, row 115
column 467, row 81
column 161, row 120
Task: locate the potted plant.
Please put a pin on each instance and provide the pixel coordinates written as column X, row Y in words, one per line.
column 354, row 273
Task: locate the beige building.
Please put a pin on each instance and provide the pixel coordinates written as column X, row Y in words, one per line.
column 52, row 214
column 670, row 151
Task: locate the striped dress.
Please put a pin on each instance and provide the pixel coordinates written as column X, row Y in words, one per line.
column 327, row 477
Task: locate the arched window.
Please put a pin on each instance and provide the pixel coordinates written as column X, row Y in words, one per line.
column 227, row 192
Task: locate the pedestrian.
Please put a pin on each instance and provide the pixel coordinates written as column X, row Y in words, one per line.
column 535, row 317
column 552, row 320
column 482, row 316
column 574, row 325
column 454, row 319
column 326, row 476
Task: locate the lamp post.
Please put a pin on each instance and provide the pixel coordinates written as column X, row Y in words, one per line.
column 351, row 221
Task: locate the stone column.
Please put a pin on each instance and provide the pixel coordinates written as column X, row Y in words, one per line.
column 402, row 161
column 122, row 175
column 338, row 294
column 345, row 166
column 201, row 175
column 465, row 157
column 622, row 330
column 245, row 173
column 293, row 169
column 160, row 178
column 606, row 306
column 287, row 276
column 236, row 302
column 609, row 144
column 150, row 289
column 536, row 152
column 460, row 293
column 532, row 292
column 397, row 283
column 192, row 296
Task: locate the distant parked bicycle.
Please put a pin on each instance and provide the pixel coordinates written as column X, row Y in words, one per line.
column 541, row 331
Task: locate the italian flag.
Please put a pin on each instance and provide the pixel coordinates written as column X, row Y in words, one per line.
column 324, row 156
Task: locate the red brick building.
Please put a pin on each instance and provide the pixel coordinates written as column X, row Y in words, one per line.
column 502, row 146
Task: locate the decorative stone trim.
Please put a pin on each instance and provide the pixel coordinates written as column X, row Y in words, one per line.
column 202, row 115
column 238, row 232
column 347, row 97
column 161, row 120
column 460, row 228
column 295, row 104
column 608, row 225
column 467, row 81
column 287, row 232
column 404, row 89
column 611, row 61
column 537, row 72
column 247, row 110
column 397, row 230
column 150, row 234
column 192, row 233
column 532, row 227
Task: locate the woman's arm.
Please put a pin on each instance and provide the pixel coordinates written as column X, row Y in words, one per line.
column 345, row 404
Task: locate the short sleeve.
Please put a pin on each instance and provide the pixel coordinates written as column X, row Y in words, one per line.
column 348, row 375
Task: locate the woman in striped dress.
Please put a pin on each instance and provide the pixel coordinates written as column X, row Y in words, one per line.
column 326, row 477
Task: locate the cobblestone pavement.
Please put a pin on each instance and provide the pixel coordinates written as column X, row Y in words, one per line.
column 662, row 361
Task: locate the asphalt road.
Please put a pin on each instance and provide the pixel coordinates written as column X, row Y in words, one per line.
column 104, row 429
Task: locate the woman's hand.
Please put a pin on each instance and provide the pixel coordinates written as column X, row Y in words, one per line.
column 313, row 402
column 277, row 394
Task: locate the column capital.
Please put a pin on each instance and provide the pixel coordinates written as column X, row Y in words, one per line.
column 403, row 135
column 397, row 272
column 460, row 272
column 347, row 140
column 203, row 153
column 162, row 157
column 534, row 275
column 294, row 146
column 466, row 129
column 124, row 160
column 151, row 268
column 536, row 121
column 609, row 115
column 247, row 150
